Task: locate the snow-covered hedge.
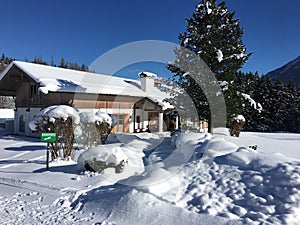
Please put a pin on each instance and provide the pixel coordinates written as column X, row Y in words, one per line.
column 51, row 114
column 60, row 119
column 102, row 157
column 95, row 128
column 63, row 119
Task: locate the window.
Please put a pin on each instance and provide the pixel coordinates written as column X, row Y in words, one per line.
column 35, row 95
column 121, row 119
column 33, row 90
column 153, row 121
column 138, row 119
column 118, row 120
column 21, row 124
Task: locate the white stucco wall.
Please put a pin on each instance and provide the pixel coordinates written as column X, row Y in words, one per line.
column 27, row 115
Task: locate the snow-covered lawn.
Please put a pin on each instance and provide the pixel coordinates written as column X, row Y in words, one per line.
column 196, row 179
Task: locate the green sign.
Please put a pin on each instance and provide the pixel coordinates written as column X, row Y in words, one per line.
column 48, row 137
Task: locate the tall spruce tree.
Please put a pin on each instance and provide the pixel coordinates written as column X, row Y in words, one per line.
column 216, row 36
column 249, row 84
column 292, row 108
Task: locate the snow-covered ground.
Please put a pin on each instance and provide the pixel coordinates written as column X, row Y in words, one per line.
column 191, row 179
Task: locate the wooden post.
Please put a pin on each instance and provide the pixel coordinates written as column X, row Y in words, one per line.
column 47, row 156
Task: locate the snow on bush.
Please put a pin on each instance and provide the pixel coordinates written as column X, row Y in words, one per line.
column 237, row 125
column 102, row 157
column 119, row 148
column 104, row 117
column 240, row 118
column 95, row 128
column 52, row 113
column 60, row 119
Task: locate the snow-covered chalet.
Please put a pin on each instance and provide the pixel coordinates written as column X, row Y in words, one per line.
column 135, row 105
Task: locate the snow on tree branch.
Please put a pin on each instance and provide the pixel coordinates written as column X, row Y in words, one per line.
column 209, row 10
column 220, row 55
column 256, row 106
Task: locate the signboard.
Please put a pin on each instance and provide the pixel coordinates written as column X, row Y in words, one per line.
column 48, row 137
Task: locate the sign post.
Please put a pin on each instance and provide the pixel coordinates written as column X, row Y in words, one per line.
column 48, row 137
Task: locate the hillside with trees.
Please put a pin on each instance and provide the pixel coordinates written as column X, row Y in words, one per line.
column 280, row 103
column 7, row 101
column 4, row 61
column 287, row 72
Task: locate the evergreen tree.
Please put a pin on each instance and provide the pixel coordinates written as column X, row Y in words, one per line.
column 216, row 36
column 297, row 113
column 63, row 64
column 83, row 68
column 52, row 63
column 249, row 84
column 39, row 60
column 291, row 120
column 263, row 94
column 2, row 58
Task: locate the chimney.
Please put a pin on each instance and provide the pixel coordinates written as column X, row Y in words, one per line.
column 147, row 81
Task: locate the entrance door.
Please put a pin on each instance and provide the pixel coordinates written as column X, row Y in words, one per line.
column 153, row 121
column 119, row 127
column 121, row 123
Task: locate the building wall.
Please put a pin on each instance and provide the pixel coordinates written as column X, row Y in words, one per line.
column 23, row 95
column 127, row 115
column 149, row 116
column 22, row 118
column 30, row 101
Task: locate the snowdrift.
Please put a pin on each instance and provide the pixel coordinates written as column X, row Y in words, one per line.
column 216, row 178
column 187, row 179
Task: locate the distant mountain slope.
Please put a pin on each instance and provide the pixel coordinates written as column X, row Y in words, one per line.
column 290, row 71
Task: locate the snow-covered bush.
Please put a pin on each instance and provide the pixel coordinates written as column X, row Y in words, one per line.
column 95, row 128
column 237, row 125
column 60, row 119
column 100, row 158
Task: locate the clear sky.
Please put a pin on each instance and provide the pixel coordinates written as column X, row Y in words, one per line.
column 82, row 30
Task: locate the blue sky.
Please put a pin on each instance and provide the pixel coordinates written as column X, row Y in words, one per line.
column 81, row 31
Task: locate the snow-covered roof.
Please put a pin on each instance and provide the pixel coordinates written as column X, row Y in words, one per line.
column 56, row 79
